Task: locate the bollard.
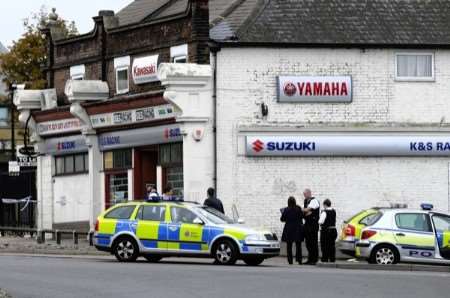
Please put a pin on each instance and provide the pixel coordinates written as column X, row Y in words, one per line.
column 58, row 237
column 91, row 238
column 2, row 233
column 75, row 237
column 41, row 237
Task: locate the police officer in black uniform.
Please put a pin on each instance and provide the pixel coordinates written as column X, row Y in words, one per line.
column 328, row 232
column 312, row 213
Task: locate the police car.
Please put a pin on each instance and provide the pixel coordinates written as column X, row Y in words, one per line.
column 405, row 235
column 162, row 229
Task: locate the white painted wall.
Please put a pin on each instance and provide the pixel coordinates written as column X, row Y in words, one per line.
column 260, row 186
column 45, row 192
column 71, row 198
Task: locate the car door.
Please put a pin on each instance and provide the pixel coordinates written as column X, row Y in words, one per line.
column 441, row 224
column 152, row 227
column 414, row 236
column 184, row 234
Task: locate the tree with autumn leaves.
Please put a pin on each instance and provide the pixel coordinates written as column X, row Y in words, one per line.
column 22, row 63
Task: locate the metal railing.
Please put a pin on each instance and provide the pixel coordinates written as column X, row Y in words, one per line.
column 41, row 234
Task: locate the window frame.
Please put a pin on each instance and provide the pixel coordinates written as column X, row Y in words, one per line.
column 179, row 52
column 414, row 78
column 140, row 213
column 6, row 121
column 106, row 216
column 427, row 218
column 77, row 72
column 73, row 156
column 117, row 70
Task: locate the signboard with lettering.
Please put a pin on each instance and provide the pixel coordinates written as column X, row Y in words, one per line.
column 140, row 115
column 145, row 69
column 60, row 146
column 314, row 89
column 58, row 126
column 140, row 137
column 348, row 145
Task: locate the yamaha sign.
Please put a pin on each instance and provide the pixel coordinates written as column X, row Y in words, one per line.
column 348, row 145
column 314, row 89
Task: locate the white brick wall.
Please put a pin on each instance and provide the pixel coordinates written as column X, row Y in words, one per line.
column 260, row 186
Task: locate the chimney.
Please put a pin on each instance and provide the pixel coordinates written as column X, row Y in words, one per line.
column 200, row 30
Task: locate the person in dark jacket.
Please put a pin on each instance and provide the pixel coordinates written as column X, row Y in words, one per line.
column 328, row 232
column 293, row 229
column 212, row 201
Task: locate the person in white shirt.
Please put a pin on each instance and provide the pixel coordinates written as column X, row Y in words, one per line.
column 312, row 212
column 328, row 232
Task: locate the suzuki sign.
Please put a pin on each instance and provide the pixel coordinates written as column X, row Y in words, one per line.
column 145, row 69
column 314, row 89
column 348, row 145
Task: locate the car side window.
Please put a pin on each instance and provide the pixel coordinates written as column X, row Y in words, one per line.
column 371, row 219
column 441, row 223
column 182, row 215
column 413, row 221
column 123, row 212
column 152, row 213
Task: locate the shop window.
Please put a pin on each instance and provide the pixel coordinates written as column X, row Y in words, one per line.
column 174, row 178
column 118, row 189
column 170, row 154
column 124, row 212
column 118, row 159
column 71, row 164
column 414, row 66
column 178, row 54
column 4, row 116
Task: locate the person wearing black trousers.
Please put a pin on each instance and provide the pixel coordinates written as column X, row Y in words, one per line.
column 312, row 213
column 328, row 232
column 292, row 216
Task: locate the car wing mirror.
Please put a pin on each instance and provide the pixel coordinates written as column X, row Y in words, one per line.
column 198, row 221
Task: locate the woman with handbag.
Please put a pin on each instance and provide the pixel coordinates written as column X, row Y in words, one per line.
column 292, row 216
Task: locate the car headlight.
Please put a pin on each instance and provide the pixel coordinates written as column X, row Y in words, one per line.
column 255, row 237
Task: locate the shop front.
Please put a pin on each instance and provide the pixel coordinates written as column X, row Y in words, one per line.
column 140, row 158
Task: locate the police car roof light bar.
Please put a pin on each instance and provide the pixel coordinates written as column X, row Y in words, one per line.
column 426, row 206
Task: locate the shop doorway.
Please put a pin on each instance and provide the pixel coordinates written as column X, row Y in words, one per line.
column 145, row 170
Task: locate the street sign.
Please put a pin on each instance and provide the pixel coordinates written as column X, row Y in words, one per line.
column 13, row 168
column 27, row 161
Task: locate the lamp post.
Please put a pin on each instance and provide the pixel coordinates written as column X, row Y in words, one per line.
column 12, row 89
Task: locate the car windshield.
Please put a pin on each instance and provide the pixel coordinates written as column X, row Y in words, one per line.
column 214, row 216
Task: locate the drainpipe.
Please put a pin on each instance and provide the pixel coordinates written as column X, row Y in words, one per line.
column 214, row 48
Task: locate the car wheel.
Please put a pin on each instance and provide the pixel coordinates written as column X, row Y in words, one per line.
column 384, row 255
column 253, row 261
column 225, row 252
column 126, row 249
column 153, row 258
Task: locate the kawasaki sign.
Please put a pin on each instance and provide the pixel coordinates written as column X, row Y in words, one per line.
column 348, row 145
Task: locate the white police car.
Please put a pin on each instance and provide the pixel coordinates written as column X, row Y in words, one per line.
column 407, row 235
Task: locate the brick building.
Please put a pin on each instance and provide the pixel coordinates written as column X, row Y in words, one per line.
column 104, row 127
column 360, row 150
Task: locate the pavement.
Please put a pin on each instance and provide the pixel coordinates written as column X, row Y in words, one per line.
column 97, row 276
column 27, row 246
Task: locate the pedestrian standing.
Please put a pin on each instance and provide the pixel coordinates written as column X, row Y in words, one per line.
column 328, row 232
column 212, row 201
column 312, row 213
column 168, row 193
column 152, row 194
column 292, row 216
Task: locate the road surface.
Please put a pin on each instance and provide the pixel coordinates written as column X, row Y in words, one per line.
column 26, row 276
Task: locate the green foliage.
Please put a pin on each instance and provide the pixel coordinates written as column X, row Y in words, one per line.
column 22, row 64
